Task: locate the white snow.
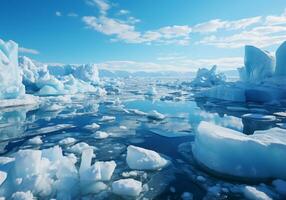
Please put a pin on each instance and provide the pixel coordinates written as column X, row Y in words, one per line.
column 107, row 118
column 230, row 152
column 23, row 196
column 99, row 171
column 67, row 141
column 93, row 126
column 144, row 159
column 35, row 140
column 155, row 115
column 127, row 187
column 79, row 148
column 100, row 135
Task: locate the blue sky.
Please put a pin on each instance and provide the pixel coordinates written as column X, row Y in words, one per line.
column 133, row 35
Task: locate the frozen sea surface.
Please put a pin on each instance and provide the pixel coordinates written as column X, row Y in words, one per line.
column 108, row 125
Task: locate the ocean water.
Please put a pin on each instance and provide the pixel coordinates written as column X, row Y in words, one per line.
column 57, row 118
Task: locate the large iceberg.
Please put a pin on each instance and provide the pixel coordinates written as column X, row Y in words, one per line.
column 11, row 86
column 45, row 80
column 259, row 64
column 12, row 90
column 260, row 80
column 281, row 60
column 229, row 152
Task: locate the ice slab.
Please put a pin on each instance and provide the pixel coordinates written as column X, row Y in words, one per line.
column 229, row 152
column 144, row 159
column 127, row 187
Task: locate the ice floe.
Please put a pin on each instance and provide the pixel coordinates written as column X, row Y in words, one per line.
column 144, row 159
column 232, row 153
column 127, row 187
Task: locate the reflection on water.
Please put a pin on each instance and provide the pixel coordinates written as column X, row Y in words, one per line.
column 56, row 118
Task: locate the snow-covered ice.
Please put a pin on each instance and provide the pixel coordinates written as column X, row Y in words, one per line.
column 144, row 159
column 127, row 187
column 246, row 156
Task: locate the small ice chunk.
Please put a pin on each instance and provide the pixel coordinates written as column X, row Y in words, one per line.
column 201, row 178
column 35, row 140
column 23, row 196
column 253, row 193
column 27, row 162
column 93, row 126
column 137, row 112
column 67, row 141
column 107, row 118
column 144, row 159
column 280, row 186
column 155, row 115
column 152, row 91
column 3, row 176
column 100, row 135
column 79, row 148
column 99, row 171
column 127, row 187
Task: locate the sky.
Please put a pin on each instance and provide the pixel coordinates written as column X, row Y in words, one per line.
column 147, row 35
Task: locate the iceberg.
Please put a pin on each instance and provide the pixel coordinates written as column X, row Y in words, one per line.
column 229, row 152
column 261, row 81
column 10, row 75
column 208, row 78
column 281, row 60
column 259, row 64
column 144, row 159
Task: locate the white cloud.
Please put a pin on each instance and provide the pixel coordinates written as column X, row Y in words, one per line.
column 58, row 13
column 123, row 12
column 102, row 5
column 210, row 26
column 173, row 64
column 28, row 51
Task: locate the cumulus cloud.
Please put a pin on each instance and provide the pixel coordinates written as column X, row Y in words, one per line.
column 102, row 5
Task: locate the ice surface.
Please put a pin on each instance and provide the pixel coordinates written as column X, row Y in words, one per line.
column 208, row 78
column 259, row 64
column 91, row 174
column 155, row 115
column 127, row 187
column 253, row 193
column 93, row 126
column 230, row 152
column 3, row 176
column 67, row 141
column 35, row 140
column 11, row 86
column 23, row 196
column 100, row 135
column 144, row 159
